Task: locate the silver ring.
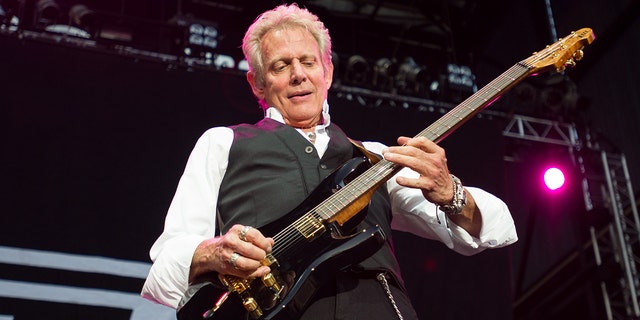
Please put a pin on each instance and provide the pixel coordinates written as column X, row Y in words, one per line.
column 232, row 260
column 243, row 233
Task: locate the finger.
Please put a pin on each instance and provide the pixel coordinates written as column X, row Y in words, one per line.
column 233, row 262
column 421, row 143
column 253, row 236
column 402, row 140
column 251, row 252
column 256, row 237
column 418, row 183
column 240, row 262
column 263, row 270
column 246, row 268
column 420, row 148
column 408, row 157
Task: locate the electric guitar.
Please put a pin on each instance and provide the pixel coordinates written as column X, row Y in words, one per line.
column 315, row 239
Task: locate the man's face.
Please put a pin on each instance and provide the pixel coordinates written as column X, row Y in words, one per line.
column 295, row 81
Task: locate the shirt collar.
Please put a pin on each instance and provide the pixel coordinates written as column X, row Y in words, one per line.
column 273, row 113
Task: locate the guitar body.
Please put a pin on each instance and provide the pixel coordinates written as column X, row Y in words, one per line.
column 311, row 261
column 306, row 284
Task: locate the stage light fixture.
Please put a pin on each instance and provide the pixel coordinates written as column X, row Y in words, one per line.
column 83, row 17
column 6, row 17
column 525, row 98
column 203, row 35
column 384, row 73
column 243, row 65
column 558, row 95
column 412, row 78
column 199, row 37
column 9, row 20
column 357, row 70
column 412, row 72
column 48, row 17
column 222, row 61
column 554, row 178
column 461, row 77
column 555, row 172
column 47, row 13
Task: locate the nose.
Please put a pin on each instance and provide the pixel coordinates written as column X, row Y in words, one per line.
column 298, row 74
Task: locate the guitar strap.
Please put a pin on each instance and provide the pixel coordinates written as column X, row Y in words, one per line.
column 373, row 158
column 217, row 231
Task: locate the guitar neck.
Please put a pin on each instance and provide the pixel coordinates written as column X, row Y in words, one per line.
column 437, row 131
column 457, row 116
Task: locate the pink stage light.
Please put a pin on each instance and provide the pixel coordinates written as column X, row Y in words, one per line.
column 554, row 178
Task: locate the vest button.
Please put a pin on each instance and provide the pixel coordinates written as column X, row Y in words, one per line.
column 323, row 166
column 308, row 149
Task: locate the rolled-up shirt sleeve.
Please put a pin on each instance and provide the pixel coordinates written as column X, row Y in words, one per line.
column 413, row 213
column 190, row 219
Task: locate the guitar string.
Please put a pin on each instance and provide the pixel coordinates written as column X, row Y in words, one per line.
column 290, row 241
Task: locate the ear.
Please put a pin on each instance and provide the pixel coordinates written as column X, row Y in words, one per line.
column 257, row 90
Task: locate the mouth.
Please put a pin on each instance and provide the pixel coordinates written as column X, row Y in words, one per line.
column 299, row 94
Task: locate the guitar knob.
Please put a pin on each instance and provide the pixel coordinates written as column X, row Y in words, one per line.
column 251, row 305
column 270, row 282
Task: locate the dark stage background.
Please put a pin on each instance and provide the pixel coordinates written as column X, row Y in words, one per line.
column 94, row 144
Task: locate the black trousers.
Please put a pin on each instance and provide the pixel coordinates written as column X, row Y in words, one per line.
column 352, row 297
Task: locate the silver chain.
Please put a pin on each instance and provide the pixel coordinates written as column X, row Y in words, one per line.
column 383, row 280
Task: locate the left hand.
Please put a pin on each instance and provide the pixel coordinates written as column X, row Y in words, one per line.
column 430, row 161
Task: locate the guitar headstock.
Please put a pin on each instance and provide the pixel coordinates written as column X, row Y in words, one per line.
column 565, row 52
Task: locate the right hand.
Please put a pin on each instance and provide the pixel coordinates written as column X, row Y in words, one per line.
column 215, row 254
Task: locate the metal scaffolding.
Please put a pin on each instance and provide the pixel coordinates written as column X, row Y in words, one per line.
column 617, row 245
column 619, row 242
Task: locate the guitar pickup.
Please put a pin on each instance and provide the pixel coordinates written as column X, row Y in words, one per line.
column 310, row 227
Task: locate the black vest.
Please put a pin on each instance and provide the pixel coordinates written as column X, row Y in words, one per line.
column 272, row 168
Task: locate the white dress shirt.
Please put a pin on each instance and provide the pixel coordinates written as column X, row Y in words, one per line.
column 191, row 216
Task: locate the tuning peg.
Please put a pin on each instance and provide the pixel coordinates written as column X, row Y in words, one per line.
column 578, row 55
column 570, row 63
